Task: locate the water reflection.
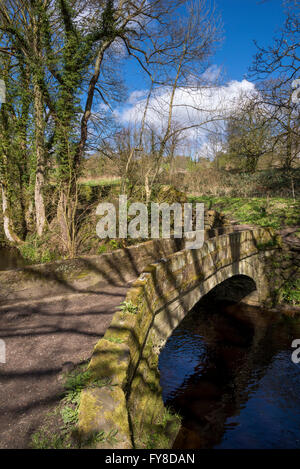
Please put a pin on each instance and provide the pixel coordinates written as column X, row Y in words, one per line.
column 232, row 380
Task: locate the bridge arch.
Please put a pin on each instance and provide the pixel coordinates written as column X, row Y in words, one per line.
column 234, row 289
column 157, row 302
column 168, row 317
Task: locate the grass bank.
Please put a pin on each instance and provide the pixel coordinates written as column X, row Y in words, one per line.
column 275, row 212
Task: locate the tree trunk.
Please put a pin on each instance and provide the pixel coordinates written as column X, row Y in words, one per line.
column 29, row 217
column 124, row 177
column 66, row 217
column 40, row 213
column 62, row 220
column 7, row 224
column 147, row 188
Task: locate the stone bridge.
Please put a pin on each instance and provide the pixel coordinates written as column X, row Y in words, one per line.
column 124, row 399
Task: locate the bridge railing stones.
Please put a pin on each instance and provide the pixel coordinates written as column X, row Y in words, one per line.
column 82, row 274
column 127, row 356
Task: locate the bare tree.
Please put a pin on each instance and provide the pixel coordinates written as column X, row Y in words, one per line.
column 186, row 49
column 276, row 68
column 249, row 134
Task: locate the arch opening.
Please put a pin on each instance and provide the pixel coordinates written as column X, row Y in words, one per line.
column 230, row 291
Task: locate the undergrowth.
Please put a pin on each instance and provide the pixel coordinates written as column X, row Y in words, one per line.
column 60, row 430
column 272, row 212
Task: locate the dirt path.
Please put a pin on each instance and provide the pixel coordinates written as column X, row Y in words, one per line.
column 41, row 338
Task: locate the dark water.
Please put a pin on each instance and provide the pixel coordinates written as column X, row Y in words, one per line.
column 10, row 259
column 233, row 381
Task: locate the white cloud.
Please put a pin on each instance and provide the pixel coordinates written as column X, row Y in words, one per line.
column 212, row 74
column 204, row 108
column 135, row 96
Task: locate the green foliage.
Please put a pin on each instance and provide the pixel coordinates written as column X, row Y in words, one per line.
column 158, row 438
column 15, row 157
column 273, row 212
column 70, row 415
column 269, row 244
column 212, row 182
column 102, row 249
column 43, row 439
column 85, row 192
column 35, row 250
column 169, row 415
column 74, row 384
column 66, row 435
column 290, row 292
column 101, row 437
column 128, row 307
column 191, row 165
column 114, row 244
column 76, row 381
column 100, row 182
column 227, row 161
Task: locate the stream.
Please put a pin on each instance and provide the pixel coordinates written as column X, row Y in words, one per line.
column 234, row 384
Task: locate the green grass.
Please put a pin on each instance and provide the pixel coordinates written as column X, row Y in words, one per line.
column 60, row 428
column 43, row 439
column 34, row 250
column 128, row 307
column 101, row 182
column 290, row 292
column 102, row 249
column 101, row 437
column 158, row 438
column 274, row 212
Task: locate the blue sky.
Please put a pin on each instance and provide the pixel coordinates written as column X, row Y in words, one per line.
column 244, row 21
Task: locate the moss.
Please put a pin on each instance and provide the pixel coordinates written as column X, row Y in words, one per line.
column 146, row 407
column 164, row 431
column 115, row 340
column 147, row 411
column 118, row 417
column 104, row 412
column 110, row 360
column 90, row 406
column 79, row 275
column 136, row 293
